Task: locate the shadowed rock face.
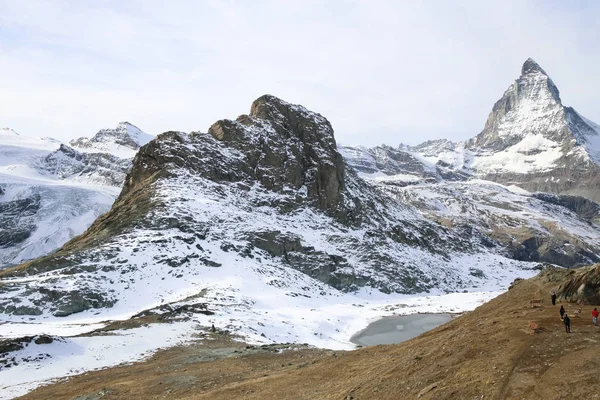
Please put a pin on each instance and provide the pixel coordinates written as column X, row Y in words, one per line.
column 16, row 223
column 282, row 146
column 581, row 286
column 295, row 149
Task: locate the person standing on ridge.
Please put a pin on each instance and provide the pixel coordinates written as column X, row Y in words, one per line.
column 595, row 317
column 567, row 322
column 553, row 297
column 562, row 312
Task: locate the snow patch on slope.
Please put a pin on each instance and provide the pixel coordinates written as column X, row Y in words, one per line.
column 534, row 153
column 122, row 141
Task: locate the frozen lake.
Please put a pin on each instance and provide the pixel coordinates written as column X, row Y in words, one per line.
column 398, row 328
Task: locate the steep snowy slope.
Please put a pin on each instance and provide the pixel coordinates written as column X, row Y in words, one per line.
column 50, row 193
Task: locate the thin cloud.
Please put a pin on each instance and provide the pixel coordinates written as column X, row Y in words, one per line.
column 381, row 72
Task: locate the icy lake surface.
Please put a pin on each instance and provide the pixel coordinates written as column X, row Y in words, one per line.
column 398, row 328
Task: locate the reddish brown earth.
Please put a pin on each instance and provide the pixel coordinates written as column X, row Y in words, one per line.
column 490, row 353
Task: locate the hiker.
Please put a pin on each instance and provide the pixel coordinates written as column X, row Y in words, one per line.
column 562, row 312
column 595, row 317
column 213, row 329
column 553, row 298
column 567, row 322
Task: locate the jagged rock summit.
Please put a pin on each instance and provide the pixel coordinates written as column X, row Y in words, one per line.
column 295, row 149
column 530, row 106
column 533, row 140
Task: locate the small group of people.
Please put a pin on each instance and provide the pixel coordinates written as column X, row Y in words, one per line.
column 565, row 317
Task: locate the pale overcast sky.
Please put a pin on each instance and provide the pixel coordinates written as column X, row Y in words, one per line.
column 380, row 71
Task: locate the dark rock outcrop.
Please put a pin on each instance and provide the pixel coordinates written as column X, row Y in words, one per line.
column 582, row 286
column 103, row 168
column 16, row 223
column 295, row 149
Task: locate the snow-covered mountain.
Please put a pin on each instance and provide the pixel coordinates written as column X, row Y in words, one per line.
column 270, row 195
column 50, row 192
column 530, row 140
column 122, row 141
column 261, row 226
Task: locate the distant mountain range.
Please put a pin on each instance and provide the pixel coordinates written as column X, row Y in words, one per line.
column 271, row 196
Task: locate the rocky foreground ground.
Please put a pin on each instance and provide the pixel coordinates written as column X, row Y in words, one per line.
column 505, row 349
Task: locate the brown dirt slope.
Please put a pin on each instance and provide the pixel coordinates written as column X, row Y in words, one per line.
column 505, row 349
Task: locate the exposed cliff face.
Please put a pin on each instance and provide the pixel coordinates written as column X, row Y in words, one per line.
column 296, row 149
column 582, row 286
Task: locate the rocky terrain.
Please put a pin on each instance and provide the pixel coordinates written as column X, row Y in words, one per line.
column 268, row 191
column 266, row 227
column 51, row 192
column 530, row 141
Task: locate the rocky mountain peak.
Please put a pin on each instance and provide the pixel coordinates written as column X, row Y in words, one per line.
column 531, row 67
column 125, row 134
column 122, row 141
column 535, row 84
column 281, row 146
column 530, row 107
column 291, row 119
column 286, row 145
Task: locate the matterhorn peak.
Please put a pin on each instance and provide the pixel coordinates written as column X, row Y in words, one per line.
column 535, row 84
column 531, row 106
column 531, row 67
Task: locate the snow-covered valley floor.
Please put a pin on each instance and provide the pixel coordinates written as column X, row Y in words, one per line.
column 325, row 323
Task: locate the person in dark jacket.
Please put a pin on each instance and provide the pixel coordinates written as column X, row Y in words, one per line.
column 562, row 312
column 567, row 322
column 553, row 297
